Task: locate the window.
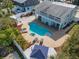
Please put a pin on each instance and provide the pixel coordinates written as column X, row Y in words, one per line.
column 18, row 9
column 28, row 8
column 39, row 18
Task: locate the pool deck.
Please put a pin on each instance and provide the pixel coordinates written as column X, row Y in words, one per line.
column 57, row 39
column 49, row 42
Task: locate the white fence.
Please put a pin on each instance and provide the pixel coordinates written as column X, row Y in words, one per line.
column 20, row 49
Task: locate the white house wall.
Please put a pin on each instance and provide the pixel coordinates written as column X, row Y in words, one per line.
column 45, row 19
column 68, row 19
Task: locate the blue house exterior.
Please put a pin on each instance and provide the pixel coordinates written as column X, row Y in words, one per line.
column 55, row 14
column 24, row 5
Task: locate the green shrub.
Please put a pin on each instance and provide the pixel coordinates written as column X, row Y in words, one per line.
column 1, row 57
column 9, row 32
column 22, row 42
column 9, row 49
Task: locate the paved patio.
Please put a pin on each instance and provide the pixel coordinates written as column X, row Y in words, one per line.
column 49, row 42
column 56, row 40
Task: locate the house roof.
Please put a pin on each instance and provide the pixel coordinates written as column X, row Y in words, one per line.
column 39, row 52
column 55, row 9
column 26, row 2
column 20, row 1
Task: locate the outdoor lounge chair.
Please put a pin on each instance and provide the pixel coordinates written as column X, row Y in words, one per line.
column 24, row 28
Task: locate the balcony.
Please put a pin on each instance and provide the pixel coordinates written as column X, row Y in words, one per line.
column 50, row 16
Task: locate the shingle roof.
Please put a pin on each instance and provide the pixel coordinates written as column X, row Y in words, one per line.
column 52, row 9
column 39, row 52
column 26, row 2
column 20, row 1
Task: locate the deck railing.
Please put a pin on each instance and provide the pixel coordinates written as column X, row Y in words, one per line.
column 50, row 16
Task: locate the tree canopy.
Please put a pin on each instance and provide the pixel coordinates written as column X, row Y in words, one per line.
column 76, row 2
column 6, row 4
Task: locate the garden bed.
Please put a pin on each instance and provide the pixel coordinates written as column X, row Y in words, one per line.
column 20, row 40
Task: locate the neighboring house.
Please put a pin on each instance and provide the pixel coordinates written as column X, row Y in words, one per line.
column 47, row 0
column 24, row 5
column 55, row 14
column 53, row 0
column 76, row 19
column 42, row 52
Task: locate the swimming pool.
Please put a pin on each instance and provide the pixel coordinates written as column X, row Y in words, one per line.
column 36, row 28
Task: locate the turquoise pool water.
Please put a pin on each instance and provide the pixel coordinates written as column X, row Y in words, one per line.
column 34, row 27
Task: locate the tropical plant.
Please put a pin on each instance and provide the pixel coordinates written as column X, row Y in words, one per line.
column 6, row 4
column 76, row 2
column 9, row 32
column 9, row 49
column 4, row 38
column 70, row 49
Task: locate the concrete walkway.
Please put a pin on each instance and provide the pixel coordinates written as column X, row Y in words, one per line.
column 13, row 55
